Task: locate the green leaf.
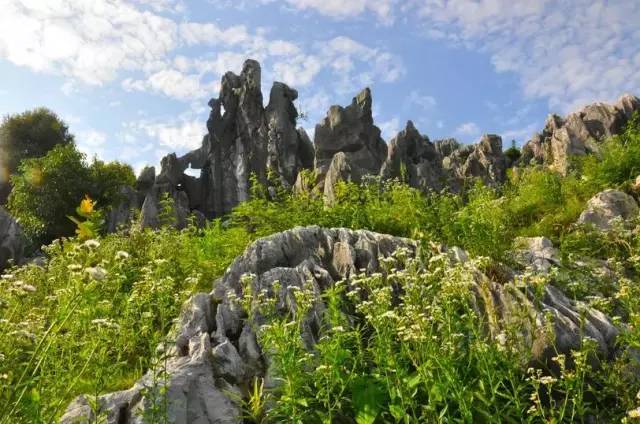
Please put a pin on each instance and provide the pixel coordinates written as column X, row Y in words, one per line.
column 368, row 397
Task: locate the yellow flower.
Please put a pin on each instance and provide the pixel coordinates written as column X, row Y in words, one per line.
column 86, row 205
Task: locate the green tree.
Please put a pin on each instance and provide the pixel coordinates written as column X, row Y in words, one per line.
column 513, row 153
column 107, row 180
column 28, row 135
column 47, row 190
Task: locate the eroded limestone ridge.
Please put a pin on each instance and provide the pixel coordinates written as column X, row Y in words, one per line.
column 246, row 138
column 578, row 133
column 217, row 355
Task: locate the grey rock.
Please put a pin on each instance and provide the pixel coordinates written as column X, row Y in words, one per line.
column 244, row 138
column 11, row 240
column 350, row 130
column 217, row 352
column 579, row 133
column 417, row 161
column 339, row 170
column 122, row 214
column 606, row 206
column 537, row 253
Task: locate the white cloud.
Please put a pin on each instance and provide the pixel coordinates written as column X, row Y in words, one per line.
column 90, row 41
column 520, row 134
column 382, row 9
column 570, row 52
column 170, row 82
column 424, row 102
column 389, row 128
column 91, row 142
column 181, row 136
column 211, row 34
column 468, row 129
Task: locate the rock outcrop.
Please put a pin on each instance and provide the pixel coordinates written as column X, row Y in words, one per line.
column 578, row 133
column 414, row 159
column 350, row 130
column 216, row 353
column 244, row 138
column 11, row 240
column 606, row 206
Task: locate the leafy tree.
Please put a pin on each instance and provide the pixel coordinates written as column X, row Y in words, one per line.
column 107, row 179
column 28, row 135
column 48, row 189
column 513, row 153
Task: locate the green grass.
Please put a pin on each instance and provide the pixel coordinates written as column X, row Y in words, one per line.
column 90, row 320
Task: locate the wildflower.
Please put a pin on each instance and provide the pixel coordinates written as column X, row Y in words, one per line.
column 102, row 322
column 121, row 254
column 28, row 288
column 548, row 380
column 97, row 273
column 7, row 276
column 634, row 413
column 74, row 267
column 86, row 205
column 501, row 339
column 92, row 244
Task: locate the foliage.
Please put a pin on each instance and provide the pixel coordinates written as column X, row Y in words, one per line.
column 513, row 153
column 424, row 356
column 29, row 135
column 47, row 190
column 90, row 319
column 90, row 227
column 618, row 160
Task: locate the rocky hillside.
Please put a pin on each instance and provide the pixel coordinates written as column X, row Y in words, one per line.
column 248, row 138
column 343, row 279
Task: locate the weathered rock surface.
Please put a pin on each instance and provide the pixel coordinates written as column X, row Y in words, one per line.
column 413, row 158
column 607, row 206
column 244, row 138
column 11, row 240
column 578, row 133
column 350, row 130
column 537, row 252
column 216, row 354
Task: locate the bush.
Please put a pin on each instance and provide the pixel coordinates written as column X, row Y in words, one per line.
column 28, row 135
column 618, row 160
column 48, row 189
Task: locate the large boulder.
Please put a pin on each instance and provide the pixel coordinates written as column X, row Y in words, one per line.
column 606, row 206
column 578, row 133
column 11, row 240
column 216, row 352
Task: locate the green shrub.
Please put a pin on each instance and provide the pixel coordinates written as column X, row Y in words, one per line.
column 48, row 189
column 28, row 135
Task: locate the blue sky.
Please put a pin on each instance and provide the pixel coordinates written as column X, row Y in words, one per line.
column 132, row 77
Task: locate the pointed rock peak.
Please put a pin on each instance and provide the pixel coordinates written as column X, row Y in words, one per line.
column 252, row 73
column 491, row 143
column 282, row 90
column 363, row 99
column 410, row 127
column 628, row 97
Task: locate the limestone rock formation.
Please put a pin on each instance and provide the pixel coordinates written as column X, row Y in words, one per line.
column 578, row 133
column 216, row 353
column 415, row 159
column 350, row 130
column 244, row 138
column 606, row 206
column 537, row 253
column 11, row 240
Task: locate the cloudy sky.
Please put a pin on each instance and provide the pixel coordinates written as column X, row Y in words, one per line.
column 132, row 77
